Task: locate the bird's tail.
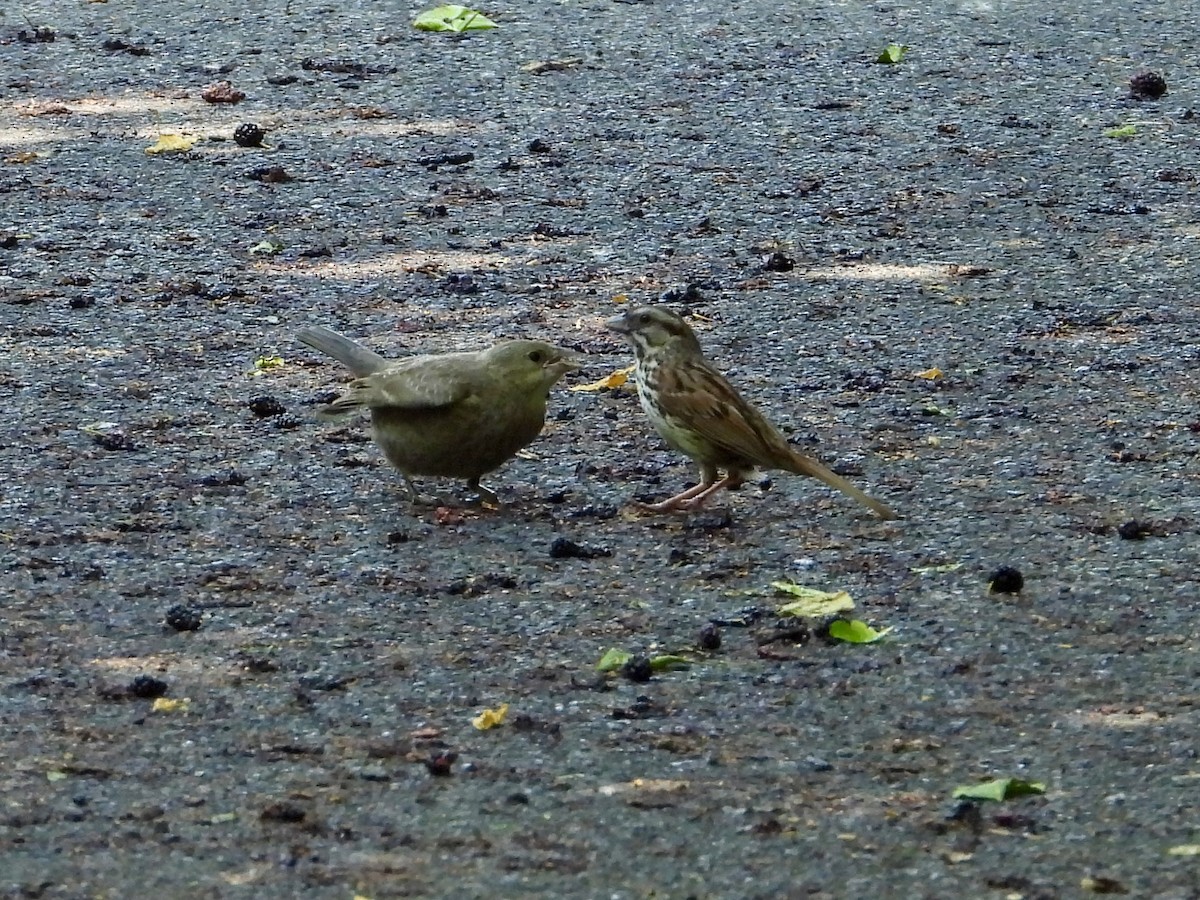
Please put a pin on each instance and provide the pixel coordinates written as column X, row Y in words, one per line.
column 803, row 465
column 353, row 355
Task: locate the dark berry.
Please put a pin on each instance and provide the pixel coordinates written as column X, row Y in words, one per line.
column 440, row 763
column 249, row 135
column 1147, row 86
column 565, row 548
column 147, row 687
column 282, row 811
column 638, row 669
column 270, row 175
column 778, row 262
column 709, row 637
column 1133, row 530
column 264, row 407
column 1006, row 580
column 183, row 618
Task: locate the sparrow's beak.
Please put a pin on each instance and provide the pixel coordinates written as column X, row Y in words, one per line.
column 619, row 324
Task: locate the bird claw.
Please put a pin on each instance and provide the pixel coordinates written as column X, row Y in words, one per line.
column 670, row 505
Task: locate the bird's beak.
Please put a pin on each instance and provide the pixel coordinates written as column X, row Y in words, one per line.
column 618, row 324
column 568, row 362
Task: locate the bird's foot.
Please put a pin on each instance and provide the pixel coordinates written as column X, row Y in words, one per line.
column 487, row 497
column 691, row 499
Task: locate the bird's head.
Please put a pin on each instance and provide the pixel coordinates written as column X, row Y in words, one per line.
column 531, row 363
column 655, row 329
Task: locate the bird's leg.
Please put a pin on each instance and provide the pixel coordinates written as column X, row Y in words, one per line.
column 416, row 497
column 693, row 496
column 695, row 502
column 487, row 495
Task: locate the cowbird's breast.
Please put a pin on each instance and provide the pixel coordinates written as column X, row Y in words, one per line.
column 465, row 440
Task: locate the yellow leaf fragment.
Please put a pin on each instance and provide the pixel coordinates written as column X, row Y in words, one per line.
column 812, row 602
column 172, row 143
column 613, row 380
column 56, row 775
column 490, row 718
column 167, row 705
column 268, row 362
column 930, row 374
column 1185, row 850
column 27, row 157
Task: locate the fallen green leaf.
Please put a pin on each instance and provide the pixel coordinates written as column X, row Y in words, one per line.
column 668, row 661
column 268, row 362
column 453, row 18
column 855, row 631
column 1125, row 131
column 812, row 602
column 892, row 54
column 999, row 789
column 56, row 775
column 613, row 660
column 266, row 248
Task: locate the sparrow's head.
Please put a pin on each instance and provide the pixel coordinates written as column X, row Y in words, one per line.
column 654, row 329
column 531, row 362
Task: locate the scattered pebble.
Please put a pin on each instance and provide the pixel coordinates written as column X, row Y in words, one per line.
column 222, row 92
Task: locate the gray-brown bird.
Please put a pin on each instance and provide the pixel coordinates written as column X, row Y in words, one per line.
column 454, row 415
column 699, row 413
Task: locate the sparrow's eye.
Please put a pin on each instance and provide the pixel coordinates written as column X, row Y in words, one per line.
column 536, row 356
column 644, row 319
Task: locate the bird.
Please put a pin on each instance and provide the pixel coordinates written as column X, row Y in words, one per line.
column 700, row 414
column 453, row 415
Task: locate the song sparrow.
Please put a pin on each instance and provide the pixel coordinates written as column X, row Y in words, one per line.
column 699, row 413
column 455, row 415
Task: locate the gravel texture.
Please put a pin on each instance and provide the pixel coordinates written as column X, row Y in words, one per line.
column 177, row 524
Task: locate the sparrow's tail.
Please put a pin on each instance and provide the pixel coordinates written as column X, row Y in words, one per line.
column 803, row 465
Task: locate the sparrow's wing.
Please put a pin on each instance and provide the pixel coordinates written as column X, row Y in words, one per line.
column 419, row 383
column 698, row 395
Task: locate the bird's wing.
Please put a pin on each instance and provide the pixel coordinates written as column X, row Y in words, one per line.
column 427, row 382
column 702, row 397
column 421, row 382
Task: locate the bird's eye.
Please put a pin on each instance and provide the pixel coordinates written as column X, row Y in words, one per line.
column 535, row 356
column 644, row 319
